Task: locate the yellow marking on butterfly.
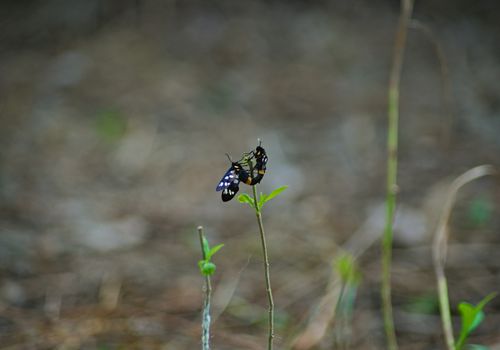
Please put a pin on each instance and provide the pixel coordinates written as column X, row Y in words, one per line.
column 248, row 181
column 262, row 172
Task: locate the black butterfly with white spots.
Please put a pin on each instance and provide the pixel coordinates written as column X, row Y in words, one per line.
column 229, row 184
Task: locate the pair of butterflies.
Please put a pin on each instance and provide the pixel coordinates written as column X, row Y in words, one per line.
column 229, row 184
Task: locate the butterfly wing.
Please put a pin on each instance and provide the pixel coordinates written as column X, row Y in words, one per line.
column 263, row 162
column 227, row 179
column 229, row 192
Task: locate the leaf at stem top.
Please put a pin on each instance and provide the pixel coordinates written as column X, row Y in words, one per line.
column 486, row 300
column 214, row 250
column 206, row 248
column 245, row 198
column 472, row 316
column 274, row 193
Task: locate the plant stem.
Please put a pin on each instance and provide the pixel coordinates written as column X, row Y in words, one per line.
column 205, row 325
column 444, row 307
column 392, row 166
column 266, row 270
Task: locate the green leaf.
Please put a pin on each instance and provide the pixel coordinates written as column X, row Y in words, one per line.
column 486, row 300
column 262, row 199
column 200, row 265
column 478, row 318
column 472, row 316
column 468, row 315
column 207, row 268
column 214, row 250
column 245, row 198
column 206, row 248
column 274, row 193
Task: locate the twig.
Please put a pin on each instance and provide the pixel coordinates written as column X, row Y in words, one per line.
column 392, row 165
column 440, row 246
column 205, row 324
column 266, row 270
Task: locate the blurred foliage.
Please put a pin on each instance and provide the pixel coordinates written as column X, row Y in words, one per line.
column 425, row 304
column 480, row 211
column 347, row 268
column 110, row 125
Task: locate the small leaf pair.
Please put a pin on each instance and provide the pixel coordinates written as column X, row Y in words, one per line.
column 264, row 198
column 207, row 268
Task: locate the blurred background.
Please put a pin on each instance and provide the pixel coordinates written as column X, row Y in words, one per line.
column 115, row 120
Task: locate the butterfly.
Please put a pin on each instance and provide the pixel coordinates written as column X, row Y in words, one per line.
column 229, row 183
column 261, row 163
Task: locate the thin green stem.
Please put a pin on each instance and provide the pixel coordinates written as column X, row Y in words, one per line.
column 392, row 166
column 388, row 232
column 205, row 324
column 266, row 270
column 444, row 306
